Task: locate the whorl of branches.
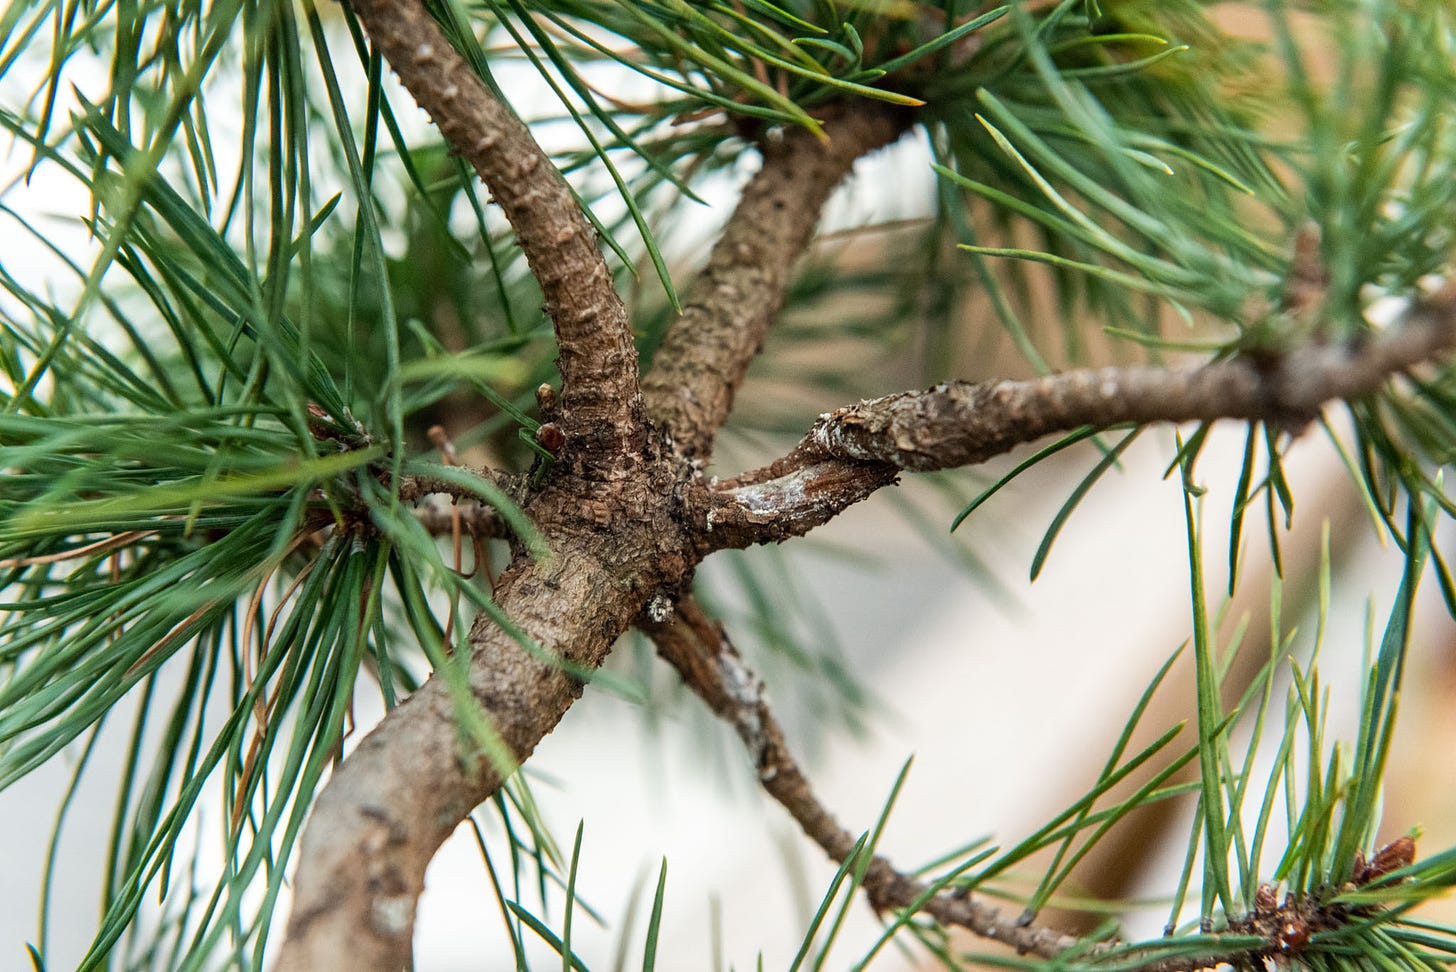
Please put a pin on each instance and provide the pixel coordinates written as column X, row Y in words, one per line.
column 161, row 512
column 363, row 858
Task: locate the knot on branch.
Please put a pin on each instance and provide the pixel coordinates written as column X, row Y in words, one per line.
column 1287, row 927
column 790, row 505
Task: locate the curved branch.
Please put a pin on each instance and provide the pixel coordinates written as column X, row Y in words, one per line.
column 707, row 661
column 387, row 808
column 465, row 512
column 700, row 650
column 701, row 363
column 598, row 360
column 854, row 450
column 806, row 495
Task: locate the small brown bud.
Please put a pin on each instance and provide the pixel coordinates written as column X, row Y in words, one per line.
column 322, row 425
column 550, row 437
column 1392, row 857
column 546, row 398
column 1293, row 936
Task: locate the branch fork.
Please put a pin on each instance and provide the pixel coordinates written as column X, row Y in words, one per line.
column 629, row 514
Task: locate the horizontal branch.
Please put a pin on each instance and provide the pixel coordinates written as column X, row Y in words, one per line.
column 707, row 661
column 598, row 360
column 960, row 424
column 469, row 517
column 465, row 512
column 703, row 358
column 852, row 451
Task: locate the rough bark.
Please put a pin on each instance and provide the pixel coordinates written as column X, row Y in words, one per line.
column 806, row 495
column 960, row 423
column 705, row 354
column 628, row 514
column 701, row 652
column 471, row 518
column 597, row 358
column 404, row 788
column 608, row 517
column 854, row 450
column 396, row 797
column 613, row 508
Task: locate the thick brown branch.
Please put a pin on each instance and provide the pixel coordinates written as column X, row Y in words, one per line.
column 706, row 352
column 804, row 497
column 698, row 648
column 854, row 450
column 598, row 360
column 959, row 424
column 400, row 793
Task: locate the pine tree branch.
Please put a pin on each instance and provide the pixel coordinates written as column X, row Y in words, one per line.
column 699, row 367
column 413, row 488
column 465, row 512
column 807, row 493
column 961, row 423
column 390, row 804
column 600, row 399
column 699, row 649
column 701, row 652
column 852, row 451
column 397, row 796
column 470, row 517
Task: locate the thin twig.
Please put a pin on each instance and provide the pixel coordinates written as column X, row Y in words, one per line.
column 697, row 646
column 474, row 518
column 116, row 542
column 413, row 488
column 699, row 649
column 465, row 512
